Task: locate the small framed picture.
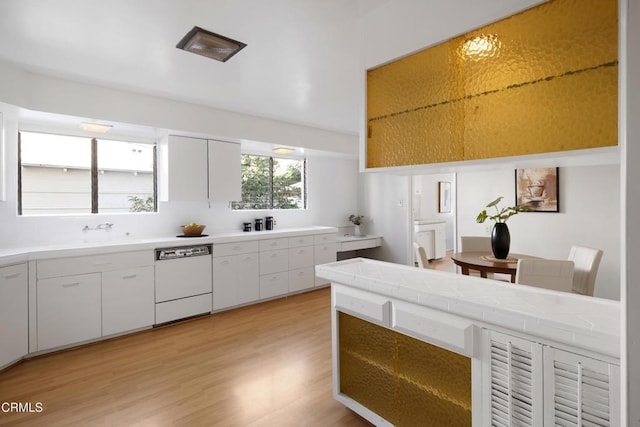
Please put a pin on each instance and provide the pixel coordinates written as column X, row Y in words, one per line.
column 444, row 194
column 538, row 188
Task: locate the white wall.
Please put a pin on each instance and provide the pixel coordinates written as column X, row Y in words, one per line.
column 384, row 201
column 332, row 196
column 589, row 216
column 426, row 202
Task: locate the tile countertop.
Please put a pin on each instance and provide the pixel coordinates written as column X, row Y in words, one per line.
column 16, row 255
column 581, row 321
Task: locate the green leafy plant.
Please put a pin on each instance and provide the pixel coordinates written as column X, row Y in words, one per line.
column 502, row 214
column 138, row 204
column 356, row 219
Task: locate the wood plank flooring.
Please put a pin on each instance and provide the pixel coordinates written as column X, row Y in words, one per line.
column 264, row 365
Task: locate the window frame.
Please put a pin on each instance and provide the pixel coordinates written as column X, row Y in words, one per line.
column 303, row 178
column 94, row 171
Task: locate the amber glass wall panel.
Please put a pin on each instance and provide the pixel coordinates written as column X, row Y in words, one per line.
column 543, row 80
column 406, row 381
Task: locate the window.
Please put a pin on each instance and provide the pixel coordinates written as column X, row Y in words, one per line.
column 61, row 174
column 272, row 183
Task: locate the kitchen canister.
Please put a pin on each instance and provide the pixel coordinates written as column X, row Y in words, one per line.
column 269, row 223
column 246, row 226
column 258, row 224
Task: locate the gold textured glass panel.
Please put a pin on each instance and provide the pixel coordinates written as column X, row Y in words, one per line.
column 544, row 80
column 406, row 381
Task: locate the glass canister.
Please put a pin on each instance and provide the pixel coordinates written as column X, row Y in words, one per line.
column 257, row 224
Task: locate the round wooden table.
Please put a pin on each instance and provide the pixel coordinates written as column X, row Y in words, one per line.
column 484, row 262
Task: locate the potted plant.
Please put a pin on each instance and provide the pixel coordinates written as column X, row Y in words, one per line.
column 500, row 237
column 357, row 222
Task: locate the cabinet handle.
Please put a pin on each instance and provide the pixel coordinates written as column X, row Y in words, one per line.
column 10, row 276
column 102, row 263
column 248, row 259
column 71, row 285
column 274, row 244
column 301, row 251
column 237, row 248
column 300, row 273
column 274, row 255
column 225, row 262
column 131, row 276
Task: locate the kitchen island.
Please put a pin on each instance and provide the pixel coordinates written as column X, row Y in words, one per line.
column 507, row 352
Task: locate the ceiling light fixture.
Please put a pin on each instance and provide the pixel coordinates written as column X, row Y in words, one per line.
column 283, row 150
column 95, row 127
column 210, row 44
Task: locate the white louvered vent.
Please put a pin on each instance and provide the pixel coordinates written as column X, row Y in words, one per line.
column 581, row 396
column 512, row 385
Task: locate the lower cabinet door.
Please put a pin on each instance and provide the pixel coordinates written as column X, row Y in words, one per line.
column 127, row 300
column 14, row 314
column 300, row 279
column 69, row 310
column 248, row 287
column 272, row 285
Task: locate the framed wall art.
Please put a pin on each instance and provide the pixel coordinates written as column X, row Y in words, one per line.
column 538, row 188
column 444, row 195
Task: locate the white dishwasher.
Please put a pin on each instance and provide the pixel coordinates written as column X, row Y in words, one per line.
column 183, row 282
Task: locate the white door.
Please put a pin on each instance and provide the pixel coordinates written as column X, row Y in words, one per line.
column 14, row 314
column 127, row 300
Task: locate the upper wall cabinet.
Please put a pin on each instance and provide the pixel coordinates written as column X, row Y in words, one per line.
column 201, row 169
column 187, row 158
column 225, row 175
column 544, row 80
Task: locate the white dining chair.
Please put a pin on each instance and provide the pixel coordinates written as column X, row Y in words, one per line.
column 546, row 273
column 421, row 255
column 586, row 261
column 475, row 244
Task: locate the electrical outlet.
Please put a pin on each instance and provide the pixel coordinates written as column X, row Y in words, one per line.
column 401, row 203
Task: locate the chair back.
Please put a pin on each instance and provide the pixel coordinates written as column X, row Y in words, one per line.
column 587, row 261
column 475, row 244
column 545, row 273
column 421, row 255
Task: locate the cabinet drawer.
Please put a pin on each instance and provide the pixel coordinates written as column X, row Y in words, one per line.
column 225, row 249
column 274, row 261
column 301, row 278
column 295, row 242
column 272, row 285
column 273, row 244
column 435, row 327
column 183, row 308
column 324, row 238
column 92, row 264
column 301, row 257
column 69, row 310
column 373, row 308
column 326, row 253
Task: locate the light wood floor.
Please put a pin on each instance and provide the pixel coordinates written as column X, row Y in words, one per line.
column 262, row 365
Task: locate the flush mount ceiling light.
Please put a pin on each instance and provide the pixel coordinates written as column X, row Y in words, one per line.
column 210, row 44
column 95, row 127
column 283, row 150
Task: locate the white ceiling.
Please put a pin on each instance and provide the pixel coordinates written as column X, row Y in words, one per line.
column 302, row 64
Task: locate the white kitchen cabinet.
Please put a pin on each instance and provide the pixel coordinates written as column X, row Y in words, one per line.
column 325, row 251
column 236, row 280
column 527, row 383
column 188, row 169
column 127, row 300
column 274, row 261
column 225, row 175
column 301, row 279
column 580, row 390
column 512, row 378
column 14, row 315
column 69, row 310
column 273, row 285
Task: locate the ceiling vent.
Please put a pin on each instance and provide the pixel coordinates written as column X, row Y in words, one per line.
column 210, row 44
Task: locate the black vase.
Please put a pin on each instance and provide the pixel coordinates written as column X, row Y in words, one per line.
column 500, row 240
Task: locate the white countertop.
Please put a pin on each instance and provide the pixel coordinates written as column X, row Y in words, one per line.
column 586, row 322
column 16, row 255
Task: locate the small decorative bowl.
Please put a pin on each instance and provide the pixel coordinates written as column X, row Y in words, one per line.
column 189, row 230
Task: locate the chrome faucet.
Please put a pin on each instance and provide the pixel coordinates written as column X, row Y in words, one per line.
column 107, row 226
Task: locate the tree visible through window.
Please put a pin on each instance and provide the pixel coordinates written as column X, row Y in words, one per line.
column 272, row 183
